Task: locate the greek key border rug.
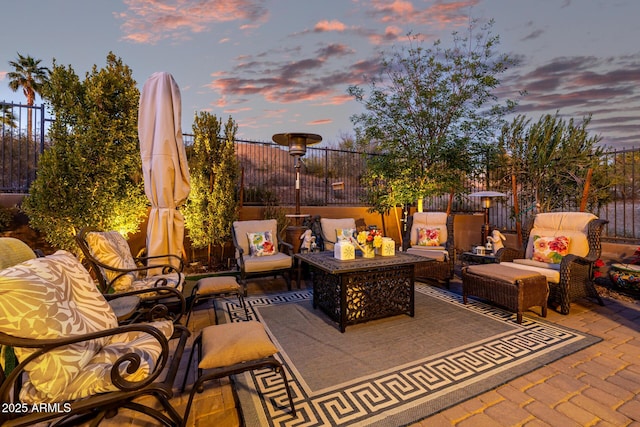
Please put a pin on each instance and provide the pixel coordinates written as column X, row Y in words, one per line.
column 486, row 350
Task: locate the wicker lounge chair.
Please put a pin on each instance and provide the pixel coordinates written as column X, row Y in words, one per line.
column 569, row 276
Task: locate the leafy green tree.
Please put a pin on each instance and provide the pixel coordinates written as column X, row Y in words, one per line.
column 430, row 113
column 92, row 174
column 31, row 77
column 551, row 160
column 212, row 205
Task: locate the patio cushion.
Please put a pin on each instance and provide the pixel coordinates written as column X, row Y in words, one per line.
column 53, row 297
column 345, row 234
column 428, row 236
column 278, row 261
column 436, row 252
column 550, row 249
column 429, row 220
column 173, row 280
column 14, row 251
column 111, row 248
column 95, row 377
column 329, row 227
column 261, row 243
column 553, row 276
column 573, row 225
column 231, row 343
column 537, row 264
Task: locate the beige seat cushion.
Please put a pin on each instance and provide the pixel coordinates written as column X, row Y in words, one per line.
column 553, row 276
column 217, row 285
column 258, row 264
column 573, row 225
column 501, row 272
column 429, row 220
column 329, row 227
column 231, row 343
column 437, row 253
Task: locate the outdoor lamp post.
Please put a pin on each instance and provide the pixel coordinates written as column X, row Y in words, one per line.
column 486, row 198
column 297, row 143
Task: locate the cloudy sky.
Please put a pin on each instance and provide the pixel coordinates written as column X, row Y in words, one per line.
column 285, row 65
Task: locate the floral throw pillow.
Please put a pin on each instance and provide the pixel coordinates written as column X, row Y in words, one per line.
column 428, row 237
column 550, row 249
column 261, row 243
column 345, row 234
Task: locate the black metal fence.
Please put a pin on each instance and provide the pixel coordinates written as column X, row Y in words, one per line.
column 23, row 140
column 328, row 176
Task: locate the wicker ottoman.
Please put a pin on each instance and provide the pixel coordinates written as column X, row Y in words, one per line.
column 513, row 288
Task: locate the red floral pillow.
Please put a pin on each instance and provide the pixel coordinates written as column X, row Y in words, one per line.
column 428, row 237
column 550, row 249
column 261, row 244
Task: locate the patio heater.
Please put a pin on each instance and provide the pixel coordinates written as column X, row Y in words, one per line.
column 486, row 198
column 297, row 143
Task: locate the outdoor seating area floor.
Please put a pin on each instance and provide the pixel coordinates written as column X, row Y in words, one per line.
column 599, row 385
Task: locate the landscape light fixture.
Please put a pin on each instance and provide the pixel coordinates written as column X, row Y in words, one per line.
column 486, row 198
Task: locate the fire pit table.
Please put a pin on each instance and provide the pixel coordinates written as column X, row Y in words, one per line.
column 362, row 289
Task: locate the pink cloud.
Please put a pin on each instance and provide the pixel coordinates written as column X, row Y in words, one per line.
column 334, row 25
column 148, row 21
column 440, row 13
column 320, row 122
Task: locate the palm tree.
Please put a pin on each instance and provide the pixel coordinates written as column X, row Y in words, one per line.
column 6, row 116
column 31, row 77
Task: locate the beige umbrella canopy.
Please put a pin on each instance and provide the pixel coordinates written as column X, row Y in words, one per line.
column 164, row 164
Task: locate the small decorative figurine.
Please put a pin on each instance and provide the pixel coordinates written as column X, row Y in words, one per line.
column 496, row 238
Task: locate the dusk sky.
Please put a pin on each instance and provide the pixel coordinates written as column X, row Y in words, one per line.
column 285, row 65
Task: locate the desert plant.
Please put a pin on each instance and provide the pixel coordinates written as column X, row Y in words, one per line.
column 92, row 174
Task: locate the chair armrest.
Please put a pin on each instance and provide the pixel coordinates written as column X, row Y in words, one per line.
column 506, row 254
column 285, row 247
column 127, row 361
column 240, row 258
column 160, row 293
column 160, row 282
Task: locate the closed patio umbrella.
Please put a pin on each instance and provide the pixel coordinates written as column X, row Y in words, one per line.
column 164, row 164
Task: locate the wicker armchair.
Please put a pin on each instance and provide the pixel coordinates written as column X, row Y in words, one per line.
column 442, row 269
column 571, row 278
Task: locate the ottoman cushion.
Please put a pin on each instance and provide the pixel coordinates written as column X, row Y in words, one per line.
column 217, row 285
column 501, row 272
column 231, row 343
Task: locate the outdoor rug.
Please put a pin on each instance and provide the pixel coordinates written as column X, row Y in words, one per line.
column 394, row 371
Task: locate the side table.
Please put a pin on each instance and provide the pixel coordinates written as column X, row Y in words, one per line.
column 469, row 258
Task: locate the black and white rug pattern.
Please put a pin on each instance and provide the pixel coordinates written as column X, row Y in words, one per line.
column 413, row 391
